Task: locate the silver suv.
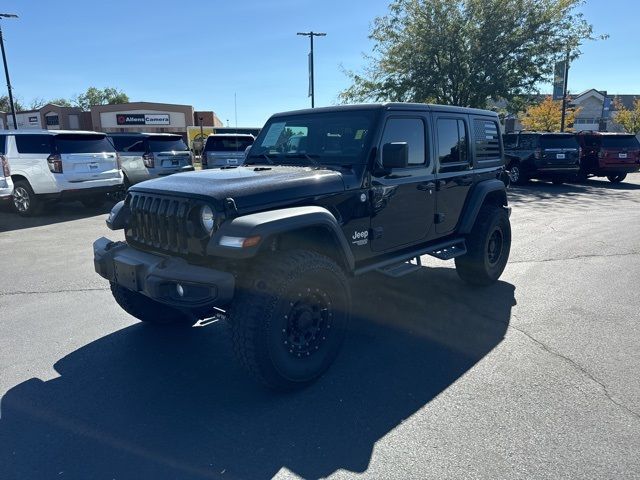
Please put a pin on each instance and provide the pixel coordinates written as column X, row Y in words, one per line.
column 225, row 149
column 149, row 155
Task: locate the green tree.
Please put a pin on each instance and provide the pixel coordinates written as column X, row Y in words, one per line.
column 100, row 96
column 629, row 119
column 63, row 102
column 5, row 106
column 464, row 52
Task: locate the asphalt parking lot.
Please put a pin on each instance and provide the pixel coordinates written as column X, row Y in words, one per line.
column 534, row 377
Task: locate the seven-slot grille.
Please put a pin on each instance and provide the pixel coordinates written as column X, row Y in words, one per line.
column 160, row 222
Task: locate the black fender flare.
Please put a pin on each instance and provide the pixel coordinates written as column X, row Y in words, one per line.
column 476, row 200
column 273, row 222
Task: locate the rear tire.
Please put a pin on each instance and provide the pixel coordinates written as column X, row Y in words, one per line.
column 147, row 310
column 516, row 174
column 25, row 202
column 488, row 247
column 617, row 178
column 289, row 318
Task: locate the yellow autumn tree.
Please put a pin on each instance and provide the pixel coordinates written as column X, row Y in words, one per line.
column 628, row 119
column 547, row 116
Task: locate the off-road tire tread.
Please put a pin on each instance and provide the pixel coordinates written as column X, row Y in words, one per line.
column 470, row 266
column 249, row 316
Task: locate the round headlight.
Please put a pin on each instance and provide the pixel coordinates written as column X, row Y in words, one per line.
column 207, row 218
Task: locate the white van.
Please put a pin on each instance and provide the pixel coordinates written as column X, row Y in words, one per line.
column 56, row 165
column 6, row 184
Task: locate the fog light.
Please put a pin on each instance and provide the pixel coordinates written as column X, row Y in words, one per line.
column 179, row 290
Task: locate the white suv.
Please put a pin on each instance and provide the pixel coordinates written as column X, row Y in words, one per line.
column 6, row 184
column 55, row 165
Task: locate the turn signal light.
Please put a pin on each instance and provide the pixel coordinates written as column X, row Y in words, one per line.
column 5, row 166
column 149, row 160
column 55, row 163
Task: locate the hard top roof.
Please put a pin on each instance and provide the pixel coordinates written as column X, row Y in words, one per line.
column 142, row 134
column 392, row 106
column 230, row 135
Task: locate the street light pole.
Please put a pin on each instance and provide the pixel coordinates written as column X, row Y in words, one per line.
column 312, row 34
column 6, row 69
column 564, row 93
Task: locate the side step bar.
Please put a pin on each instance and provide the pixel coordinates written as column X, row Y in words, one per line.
column 402, row 264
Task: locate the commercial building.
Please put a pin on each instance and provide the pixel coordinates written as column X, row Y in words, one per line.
column 125, row 117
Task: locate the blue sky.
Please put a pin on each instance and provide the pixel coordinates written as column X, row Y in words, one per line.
column 201, row 53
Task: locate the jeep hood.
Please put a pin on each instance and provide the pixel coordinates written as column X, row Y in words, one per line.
column 249, row 186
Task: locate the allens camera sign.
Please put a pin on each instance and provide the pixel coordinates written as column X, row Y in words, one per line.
column 142, row 118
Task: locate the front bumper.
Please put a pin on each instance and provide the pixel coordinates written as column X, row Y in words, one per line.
column 165, row 279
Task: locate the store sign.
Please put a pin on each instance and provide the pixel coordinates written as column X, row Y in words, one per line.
column 33, row 120
column 559, row 74
column 143, row 119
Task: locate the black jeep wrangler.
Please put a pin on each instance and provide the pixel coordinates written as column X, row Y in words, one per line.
column 543, row 155
column 324, row 195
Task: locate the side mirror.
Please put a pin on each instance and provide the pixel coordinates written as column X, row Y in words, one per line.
column 395, row 155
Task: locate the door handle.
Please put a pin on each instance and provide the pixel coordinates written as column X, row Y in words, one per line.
column 426, row 186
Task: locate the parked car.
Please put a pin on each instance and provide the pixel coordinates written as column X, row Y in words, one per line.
column 6, row 184
column 543, row 155
column 274, row 242
column 149, row 155
column 611, row 155
column 225, row 149
column 50, row 165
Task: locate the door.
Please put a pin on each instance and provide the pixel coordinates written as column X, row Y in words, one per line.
column 403, row 198
column 455, row 170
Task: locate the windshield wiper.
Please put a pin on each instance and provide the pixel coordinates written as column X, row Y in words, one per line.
column 259, row 155
column 304, row 155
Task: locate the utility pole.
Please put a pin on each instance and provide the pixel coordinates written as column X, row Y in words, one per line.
column 564, row 93
column 6, row 69
column 311, row 34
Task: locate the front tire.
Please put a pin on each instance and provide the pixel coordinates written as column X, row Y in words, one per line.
column 488, row 247
column 289, row 318
column 147, row 310
column 25, row 201
column 617, row 178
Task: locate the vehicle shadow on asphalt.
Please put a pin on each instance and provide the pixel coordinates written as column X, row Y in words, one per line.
column 159, row 403
column 52, row 214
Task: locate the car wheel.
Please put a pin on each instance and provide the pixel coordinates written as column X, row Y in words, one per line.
column 488, row 247
column 25, row 201
column 289, row 318
column 147, row 310
column 516, row 175
column 617, row 178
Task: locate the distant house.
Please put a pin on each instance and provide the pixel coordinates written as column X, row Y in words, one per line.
column 597, row 111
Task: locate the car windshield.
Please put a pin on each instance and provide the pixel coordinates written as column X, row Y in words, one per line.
column 228, row 143
column 332, row 137
column 82, row 144
column 558, row 141
column 167, row 144
column 620, row 141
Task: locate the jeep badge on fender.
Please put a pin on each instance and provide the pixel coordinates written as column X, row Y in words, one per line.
column 324, row 195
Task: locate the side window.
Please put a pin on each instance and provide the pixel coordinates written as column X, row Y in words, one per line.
column 486, row 136
column 452, row 144
column 510, row 140
column 411, row 131
column 34, row 144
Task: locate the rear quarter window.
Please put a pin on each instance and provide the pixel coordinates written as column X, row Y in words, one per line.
column 34, row 144
column 486, row 134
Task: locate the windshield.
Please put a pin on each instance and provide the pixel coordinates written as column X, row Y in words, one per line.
column 82, row 144
column 167, row 144
column 620, row 141
column 228, row 144
column 333, row 137
column 558, row 141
